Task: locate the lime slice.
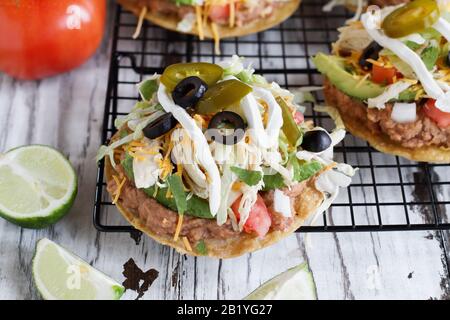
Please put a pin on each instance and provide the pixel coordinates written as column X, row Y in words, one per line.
column 37, row 186
column 294, row 284
column 60, row 275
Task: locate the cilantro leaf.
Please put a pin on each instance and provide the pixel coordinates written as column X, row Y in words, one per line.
column 201, row 248
column 176, row 187
column 302, row 171
column 251, row 178
column 127, row 165
column 429, row 56
column 272, row 182
column 306, row 170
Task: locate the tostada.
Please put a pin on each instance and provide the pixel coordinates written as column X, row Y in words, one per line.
column 213, row 18
column 389, row 77
column 215, row 160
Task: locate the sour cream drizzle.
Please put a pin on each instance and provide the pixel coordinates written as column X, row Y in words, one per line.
column 265, row 137
column 372, row 22
column 202, row 151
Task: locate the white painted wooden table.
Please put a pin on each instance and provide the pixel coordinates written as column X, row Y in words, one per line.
column 66, row 112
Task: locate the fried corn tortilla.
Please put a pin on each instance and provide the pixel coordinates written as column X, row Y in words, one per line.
column 306, row 204
column 170, row 22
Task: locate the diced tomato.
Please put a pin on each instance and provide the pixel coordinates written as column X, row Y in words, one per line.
column 219, row 13
column 259, row 220
column 440, row 117
column 298, row 117
column 383, row 75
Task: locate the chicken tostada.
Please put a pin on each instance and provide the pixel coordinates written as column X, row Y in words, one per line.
column 214, row 160
column 214, row 18
column 389, row 77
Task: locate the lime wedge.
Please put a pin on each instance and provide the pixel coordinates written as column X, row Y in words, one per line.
column 60, row 275
column 294, row 284
column 37, row 186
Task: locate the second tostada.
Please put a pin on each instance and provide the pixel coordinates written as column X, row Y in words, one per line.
column 214, row 18
column 389, row 78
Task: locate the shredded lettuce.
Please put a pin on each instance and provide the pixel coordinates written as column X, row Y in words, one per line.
column 176, row 187
column 413, row 45
column 147, row 89
column 139, row 110
column 283, row 146
column 234, row 67
column 187, row 23
column 109, row 150
column 249, row 177
column 138, row 134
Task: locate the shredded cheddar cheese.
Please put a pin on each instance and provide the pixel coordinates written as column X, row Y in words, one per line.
column 140, row 22
column 206, row 9
column 187, row 245
column 178, row 229
column 168, row 193
column 232, row 14
column 119, row 188
column 419, row 94
column 237, row 186
column 137, row 144
column 166, row 164
column 375, row 62
column 201, row 121
column 216, row 36
column 179, row 169
column 198, row 14
column 446, row 77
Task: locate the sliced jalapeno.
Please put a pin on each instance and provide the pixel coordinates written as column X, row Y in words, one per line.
column 208, row 72
column 413, row 17
column 290, row 127
column 222, row 96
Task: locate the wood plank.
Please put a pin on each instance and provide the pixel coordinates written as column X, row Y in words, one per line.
column 66, row 112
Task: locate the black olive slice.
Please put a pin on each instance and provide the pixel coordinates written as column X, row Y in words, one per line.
column 189, row 91
column 220, row 121
column 160, row 126
column 371, row 52
column 448, row 59
column 316, row 141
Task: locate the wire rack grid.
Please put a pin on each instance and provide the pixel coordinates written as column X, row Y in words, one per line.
column 388, row 193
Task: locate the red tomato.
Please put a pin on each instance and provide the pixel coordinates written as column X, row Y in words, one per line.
column 259, row 220
column 41, row 38
column 219, row 13
column 299, row 117
column 383, row 75
column 440, row 117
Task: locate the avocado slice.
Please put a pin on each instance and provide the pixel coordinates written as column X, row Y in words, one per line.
column 333, row 68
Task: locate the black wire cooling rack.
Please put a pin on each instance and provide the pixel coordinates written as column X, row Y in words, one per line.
column 388, row 193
